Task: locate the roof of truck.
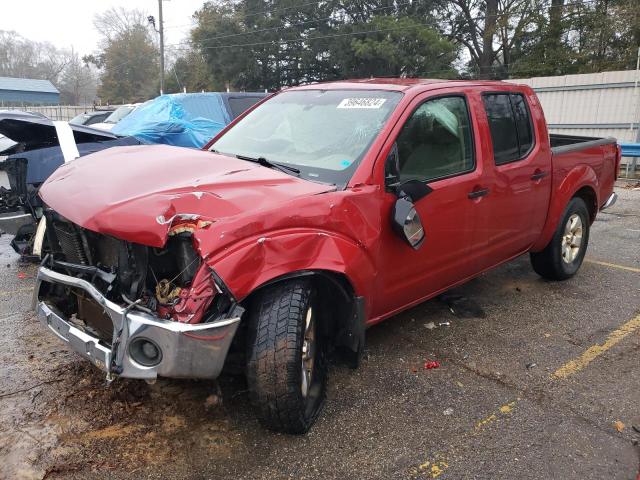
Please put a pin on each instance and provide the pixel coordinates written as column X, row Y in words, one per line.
column 397, row 84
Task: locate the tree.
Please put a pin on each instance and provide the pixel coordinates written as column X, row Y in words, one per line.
column 258, row 44
column 128, row 58
column 78, row 82
column 490, row 30
column 403, row 47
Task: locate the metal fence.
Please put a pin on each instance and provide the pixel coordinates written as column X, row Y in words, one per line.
column 56, row 112
column 597, row 105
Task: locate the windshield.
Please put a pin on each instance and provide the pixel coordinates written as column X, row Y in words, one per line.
column 119, row 113
column 323, row 133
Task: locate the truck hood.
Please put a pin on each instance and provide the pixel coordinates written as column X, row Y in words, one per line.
column 136, row 193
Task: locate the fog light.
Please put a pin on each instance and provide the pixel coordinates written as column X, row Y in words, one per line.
column 145, row 352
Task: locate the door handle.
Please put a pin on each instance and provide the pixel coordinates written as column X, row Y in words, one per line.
column 478, row 193
column 539, row 175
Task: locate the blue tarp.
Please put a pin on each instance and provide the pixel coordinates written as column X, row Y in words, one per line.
column 182, row 119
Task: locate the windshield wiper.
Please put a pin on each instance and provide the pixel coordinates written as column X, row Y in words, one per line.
column 268, row 163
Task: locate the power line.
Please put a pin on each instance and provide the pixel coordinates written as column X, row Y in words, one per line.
column 280, row 27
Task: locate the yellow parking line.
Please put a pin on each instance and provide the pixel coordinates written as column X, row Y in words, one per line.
column 613, row 265
column 435, row 468
column 590, row 354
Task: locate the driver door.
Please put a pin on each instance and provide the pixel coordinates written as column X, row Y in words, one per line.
column 434, row 144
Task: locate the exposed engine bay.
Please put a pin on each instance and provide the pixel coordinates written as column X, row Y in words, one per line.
column 171, row 283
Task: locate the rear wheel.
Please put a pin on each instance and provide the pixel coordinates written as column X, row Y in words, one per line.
column 286, row 368
column 563, row 256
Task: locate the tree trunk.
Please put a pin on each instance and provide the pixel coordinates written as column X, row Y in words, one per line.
column 487, row 56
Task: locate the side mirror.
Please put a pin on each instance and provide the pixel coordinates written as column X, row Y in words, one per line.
column 405, row 219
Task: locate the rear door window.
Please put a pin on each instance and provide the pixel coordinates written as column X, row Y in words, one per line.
column 510, row 126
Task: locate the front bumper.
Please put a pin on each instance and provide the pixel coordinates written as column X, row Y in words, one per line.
column 187, row 350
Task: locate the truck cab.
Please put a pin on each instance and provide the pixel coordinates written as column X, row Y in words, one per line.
column 320, row 212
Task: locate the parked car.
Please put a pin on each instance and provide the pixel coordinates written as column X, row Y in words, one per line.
column 91, row 118
column 186, row 119
column 115, row 116
column 321, row 212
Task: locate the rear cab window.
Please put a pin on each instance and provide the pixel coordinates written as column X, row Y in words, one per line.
column 510, row 125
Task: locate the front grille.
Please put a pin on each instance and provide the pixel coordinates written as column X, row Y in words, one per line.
column 70, row 243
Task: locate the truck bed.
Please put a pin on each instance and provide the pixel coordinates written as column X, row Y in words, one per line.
column 561, row 144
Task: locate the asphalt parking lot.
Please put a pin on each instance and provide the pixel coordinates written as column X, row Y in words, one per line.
column 536, row 380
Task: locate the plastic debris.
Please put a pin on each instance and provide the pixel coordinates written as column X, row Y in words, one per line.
column 430, row 325
column 431, row 364
column 448, row 412
column 22, row 275
column 618, row 425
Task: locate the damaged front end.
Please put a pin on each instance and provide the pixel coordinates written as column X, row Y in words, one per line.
column 132, row 310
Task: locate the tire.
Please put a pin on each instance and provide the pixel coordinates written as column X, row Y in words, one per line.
column 561, row 258
column 277, row 334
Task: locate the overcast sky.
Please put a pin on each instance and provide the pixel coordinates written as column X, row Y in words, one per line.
column 67, row 23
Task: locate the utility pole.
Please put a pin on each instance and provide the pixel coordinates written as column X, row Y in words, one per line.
column 161, row 47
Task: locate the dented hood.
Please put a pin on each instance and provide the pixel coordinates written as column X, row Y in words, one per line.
column 136, row 193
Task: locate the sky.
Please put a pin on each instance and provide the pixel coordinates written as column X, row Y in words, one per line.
column 69, row 23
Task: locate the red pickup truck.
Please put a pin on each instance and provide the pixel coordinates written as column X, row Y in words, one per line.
column 322, row 211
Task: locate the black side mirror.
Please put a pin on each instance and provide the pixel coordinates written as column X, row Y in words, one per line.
column 405, row 219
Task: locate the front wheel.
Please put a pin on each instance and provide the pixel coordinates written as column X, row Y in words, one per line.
column 286, row 368
column 563, row 256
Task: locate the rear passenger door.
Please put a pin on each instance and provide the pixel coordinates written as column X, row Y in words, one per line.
column 518, row 176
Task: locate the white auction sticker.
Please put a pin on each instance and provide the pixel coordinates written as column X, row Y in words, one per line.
column 362, row 103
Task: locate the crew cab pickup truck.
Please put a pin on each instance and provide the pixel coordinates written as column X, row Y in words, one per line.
column 322, row 211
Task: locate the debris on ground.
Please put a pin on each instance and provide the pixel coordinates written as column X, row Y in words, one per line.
column 531, row 365
column 22, row 275
column 632, row 186
column 448, row 412
column 430, row 325
column 213, row 401
column 618, row 425
column 431, row 364
column 461, row 306
column 444, row 324
column 637, row 429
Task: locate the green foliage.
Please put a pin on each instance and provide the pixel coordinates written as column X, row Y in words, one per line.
column 404, row 47
column 130, row 67
column 270, row 44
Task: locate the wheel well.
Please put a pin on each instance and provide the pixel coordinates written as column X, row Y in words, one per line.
column 337, row 293
column 588, row 195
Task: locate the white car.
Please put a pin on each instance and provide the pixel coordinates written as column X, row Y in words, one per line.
column 117, row 115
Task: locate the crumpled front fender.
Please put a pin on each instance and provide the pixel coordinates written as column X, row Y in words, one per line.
column 261, row 259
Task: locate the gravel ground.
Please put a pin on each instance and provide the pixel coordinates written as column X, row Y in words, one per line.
column 494, row 408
